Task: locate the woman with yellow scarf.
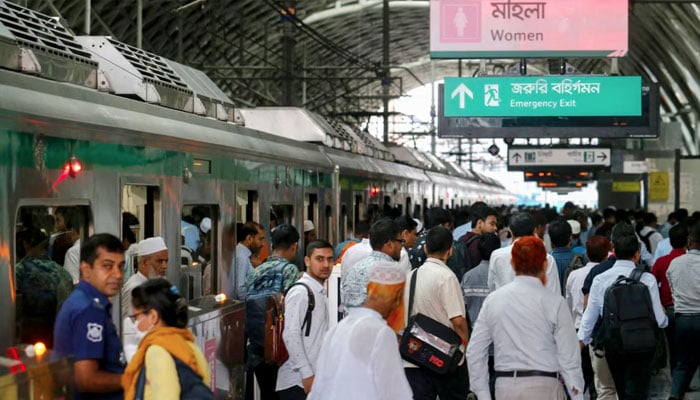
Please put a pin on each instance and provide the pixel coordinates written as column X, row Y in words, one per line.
column 167, row 364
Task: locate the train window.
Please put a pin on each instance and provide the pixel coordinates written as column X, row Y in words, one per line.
column 198, row 261
column 359, row 209
column 143, row 203
column 47, row 265
column 345, row 230
column 284, row 213
column 247, row 206
column 311, row 208
column 200, row 166
column 330, row 232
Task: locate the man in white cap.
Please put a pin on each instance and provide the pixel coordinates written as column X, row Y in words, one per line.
column 309, row 232
column 153, row 263
column 365, row 346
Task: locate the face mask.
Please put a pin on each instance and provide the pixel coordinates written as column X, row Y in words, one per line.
column 141, row 334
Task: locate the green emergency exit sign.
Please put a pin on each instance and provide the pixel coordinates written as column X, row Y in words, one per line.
column 543, row 96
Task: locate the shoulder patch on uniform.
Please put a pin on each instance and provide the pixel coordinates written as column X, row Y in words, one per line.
column 94, row 332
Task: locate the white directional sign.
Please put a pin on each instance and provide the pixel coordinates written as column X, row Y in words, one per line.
column 572, row 157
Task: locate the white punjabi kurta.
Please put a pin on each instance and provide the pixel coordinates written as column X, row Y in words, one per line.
column 360, row 360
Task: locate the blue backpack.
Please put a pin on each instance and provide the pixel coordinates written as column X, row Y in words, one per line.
column 259, row 293
column 192, row 386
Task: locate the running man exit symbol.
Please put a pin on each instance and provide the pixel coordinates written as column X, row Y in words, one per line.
column 491, row 97
column 530, row 156
column 588, row 156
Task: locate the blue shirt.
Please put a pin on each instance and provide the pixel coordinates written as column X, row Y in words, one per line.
column 84, row 328
column 563, row 257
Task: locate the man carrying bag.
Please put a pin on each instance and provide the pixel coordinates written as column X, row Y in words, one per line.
column 433, row 342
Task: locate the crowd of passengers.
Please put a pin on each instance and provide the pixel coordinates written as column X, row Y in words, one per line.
column 523, row 288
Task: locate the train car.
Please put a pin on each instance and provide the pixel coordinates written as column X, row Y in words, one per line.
column 98, row 136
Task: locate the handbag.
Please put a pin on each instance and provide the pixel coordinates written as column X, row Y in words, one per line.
column 428, row 343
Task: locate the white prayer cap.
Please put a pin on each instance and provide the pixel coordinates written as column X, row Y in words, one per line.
column 151, row 245
column 419, row 228
column 205, row 225
column 575, row 226
column 387, row 274
column 308, row 225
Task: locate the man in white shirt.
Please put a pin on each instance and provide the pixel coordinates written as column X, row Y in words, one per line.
column 597, row 250
column 649, row 235
column 303, row 331
column 153, row 263
column 251, row 238
column 359, row 358
column 532, row 333
column 409, row 234
column 631, row 374
column 438, row 295
column 500, row 270
column 72, row 262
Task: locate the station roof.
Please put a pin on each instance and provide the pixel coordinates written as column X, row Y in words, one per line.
column 336, row 49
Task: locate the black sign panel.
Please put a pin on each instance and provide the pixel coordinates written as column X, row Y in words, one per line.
column 558, row 176
column 644, row 126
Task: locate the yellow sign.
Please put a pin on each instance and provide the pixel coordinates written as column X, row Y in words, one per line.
column 628, row 186
column 658, row 186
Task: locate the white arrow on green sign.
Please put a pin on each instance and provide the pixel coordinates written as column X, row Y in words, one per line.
column 543, row 96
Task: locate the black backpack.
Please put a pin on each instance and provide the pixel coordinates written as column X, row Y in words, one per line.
column 575, row 263
column 461, row 261
column 646, row 241
column 628, row 325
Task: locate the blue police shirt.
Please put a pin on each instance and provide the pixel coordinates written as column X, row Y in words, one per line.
column 85, row 329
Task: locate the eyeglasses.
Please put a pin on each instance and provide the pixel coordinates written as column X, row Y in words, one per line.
column 402, row 241
column 135, row 316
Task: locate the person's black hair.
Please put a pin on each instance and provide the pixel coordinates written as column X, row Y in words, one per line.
column 608, row 212
column 487, row 244
column 283, row 237
column 559, row 233
column 362, row 228
column 521, row 224
column 481, row 212
column 381, row 232
column 437, row 216
column 109, row 242
column 625, row 245
column 682, row 214
column 128, row 234
column 649, row 218
column 73, row 219
column 461, row 216
column 678, row 236
column 405, row 223
column 33, row 237
column 250, row 228
column 438, row 240
column 595, row 218
column 158, row 294
column 621, row 229
column 317, row 244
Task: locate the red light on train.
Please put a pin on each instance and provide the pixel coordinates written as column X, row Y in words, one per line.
column 73, row 167
column 374, row 190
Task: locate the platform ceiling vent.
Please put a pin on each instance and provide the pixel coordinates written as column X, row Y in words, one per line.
column 39, row 44
column 132, row 72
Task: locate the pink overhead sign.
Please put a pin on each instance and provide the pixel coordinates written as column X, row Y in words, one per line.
column 528, row 28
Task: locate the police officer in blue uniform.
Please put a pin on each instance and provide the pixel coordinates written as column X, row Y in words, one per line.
column 84, row 326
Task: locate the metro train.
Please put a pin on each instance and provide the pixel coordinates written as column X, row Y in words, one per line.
column 171, row 153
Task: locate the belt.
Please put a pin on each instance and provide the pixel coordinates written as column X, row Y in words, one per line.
column 525, row 374
column 687, row 315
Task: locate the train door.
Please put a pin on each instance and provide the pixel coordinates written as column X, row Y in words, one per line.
column 47, row 264
column 409, row 207
column 311, row 213
column 141, row 218
column 199, row 265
